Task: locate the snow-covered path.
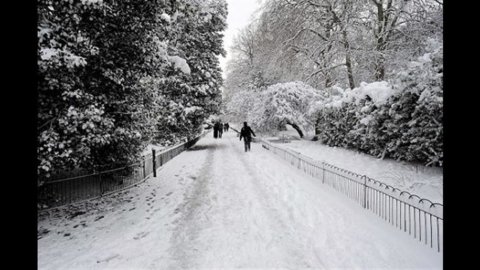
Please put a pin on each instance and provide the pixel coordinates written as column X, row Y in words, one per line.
column 216, row 206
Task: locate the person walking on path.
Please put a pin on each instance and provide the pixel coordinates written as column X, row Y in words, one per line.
column 220, row 129
column 246, row 132
column 216, row 126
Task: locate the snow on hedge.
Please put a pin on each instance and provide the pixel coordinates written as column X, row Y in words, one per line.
column 401, row 120
column 179, row 63
column 378, row 92
column 165, row 17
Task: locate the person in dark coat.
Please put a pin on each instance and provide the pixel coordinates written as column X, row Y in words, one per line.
column 220, row 129
column 216, row 127
column 246, row 132
column 226, row 126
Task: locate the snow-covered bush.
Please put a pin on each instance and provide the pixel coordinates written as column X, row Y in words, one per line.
column 281, row 104
column 402, row 120
column 421, row 126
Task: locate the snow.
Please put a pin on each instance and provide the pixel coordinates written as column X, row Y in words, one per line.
column 426, row 182
column 88, row 2
column 175, row 16
column 366, row 120
column 180, row 63
column 46, row 54
column 165, row 17
column 42, row 31
column 216, row 206
column 280, row 103
column 379, row 92
column 192, row 109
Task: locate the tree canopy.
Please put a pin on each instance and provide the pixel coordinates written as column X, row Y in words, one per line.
column 117, row 75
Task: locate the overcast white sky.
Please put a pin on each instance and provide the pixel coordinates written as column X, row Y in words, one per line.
column 239, row 15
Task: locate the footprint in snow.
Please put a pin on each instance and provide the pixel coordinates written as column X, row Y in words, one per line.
column 108, row 258
column 42, row 232
column 140, row 235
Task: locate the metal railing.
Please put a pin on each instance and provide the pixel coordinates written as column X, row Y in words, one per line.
column 420, row 217
column 58, row 192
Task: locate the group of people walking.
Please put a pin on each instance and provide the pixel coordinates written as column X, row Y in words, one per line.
column 219, row 128
column 246, row 133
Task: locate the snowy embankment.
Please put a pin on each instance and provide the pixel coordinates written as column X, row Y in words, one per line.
column 426, row 182
column 215, row 206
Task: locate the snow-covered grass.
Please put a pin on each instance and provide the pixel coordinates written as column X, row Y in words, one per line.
column 426, row 182
column 215, row 206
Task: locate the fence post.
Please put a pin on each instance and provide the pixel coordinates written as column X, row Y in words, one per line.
column 153, row 162
column 323, row 174
column 101, row 184
column 364, row 191
column 144, row 172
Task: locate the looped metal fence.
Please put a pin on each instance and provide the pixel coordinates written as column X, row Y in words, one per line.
column 58, row 192
column 422, row 218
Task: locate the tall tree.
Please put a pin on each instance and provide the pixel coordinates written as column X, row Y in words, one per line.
column 113, row 75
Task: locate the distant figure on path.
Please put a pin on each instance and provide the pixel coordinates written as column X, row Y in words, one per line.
column 216, row 127
column 220, row 129
column 226, row 126
column 246, row 132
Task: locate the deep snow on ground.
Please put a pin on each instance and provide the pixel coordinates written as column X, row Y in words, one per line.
column 426, row 182
column 215, row 206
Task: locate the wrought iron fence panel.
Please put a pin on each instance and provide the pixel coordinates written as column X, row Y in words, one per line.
column 76, row 188
column 420, row 217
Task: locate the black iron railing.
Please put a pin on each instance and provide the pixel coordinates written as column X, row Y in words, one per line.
column 420, row 217
column 58, row 192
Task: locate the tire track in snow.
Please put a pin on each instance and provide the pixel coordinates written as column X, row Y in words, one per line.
column 285, row 236
column 313, row 227
column 231, row 220
column 184, row 245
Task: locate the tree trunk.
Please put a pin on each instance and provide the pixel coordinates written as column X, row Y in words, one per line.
column 296, row 128
column 381, row 40
column 379, row 70
column 380, row 60
column 317, row 130
column 348, row 61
